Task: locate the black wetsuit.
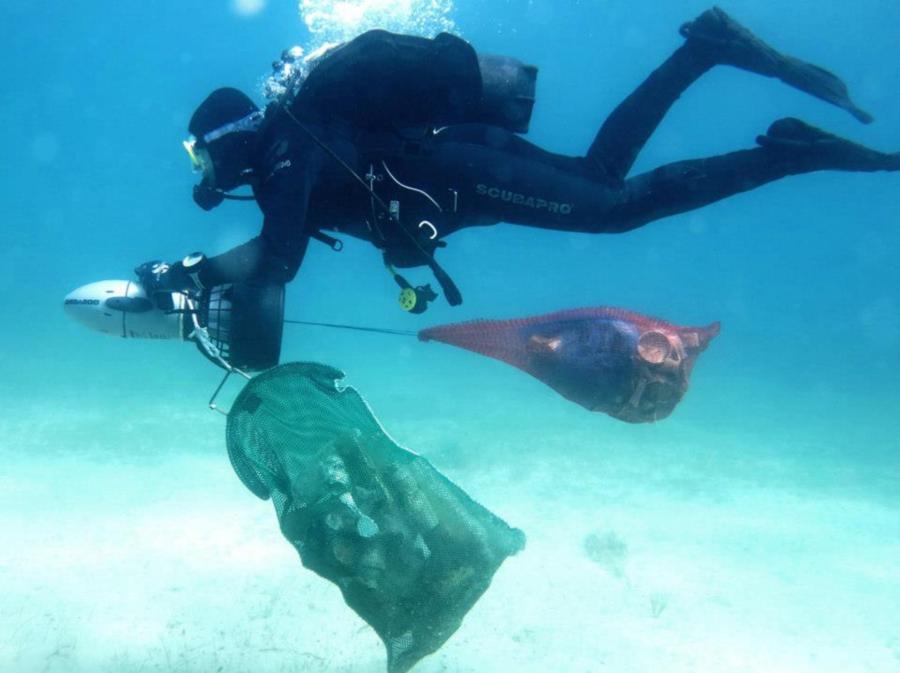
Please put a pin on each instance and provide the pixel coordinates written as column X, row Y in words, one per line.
column 448, row 178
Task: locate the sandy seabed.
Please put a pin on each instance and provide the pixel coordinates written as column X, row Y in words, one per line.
column 160, row 560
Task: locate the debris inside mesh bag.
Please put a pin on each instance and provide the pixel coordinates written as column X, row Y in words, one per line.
column 409, row 550
column 621, row 363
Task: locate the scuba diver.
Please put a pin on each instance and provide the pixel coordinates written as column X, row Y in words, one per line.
column 403, row 140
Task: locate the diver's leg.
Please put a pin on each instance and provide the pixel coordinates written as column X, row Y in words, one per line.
column 712, row 39
column 627, row 129
column 499, row 177
column 790, row 147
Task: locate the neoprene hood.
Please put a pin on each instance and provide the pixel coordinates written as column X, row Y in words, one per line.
column 231, row 151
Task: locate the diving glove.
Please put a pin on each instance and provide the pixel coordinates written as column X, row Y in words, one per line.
column 160, row 277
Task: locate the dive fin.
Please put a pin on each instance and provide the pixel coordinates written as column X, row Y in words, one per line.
column 831, row 151
column 730, row 43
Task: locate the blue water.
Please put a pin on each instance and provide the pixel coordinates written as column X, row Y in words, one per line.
column 762, row 516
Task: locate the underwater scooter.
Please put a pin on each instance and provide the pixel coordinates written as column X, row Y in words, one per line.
column 237, row 327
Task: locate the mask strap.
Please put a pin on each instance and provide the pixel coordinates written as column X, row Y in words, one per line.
column 247, row 124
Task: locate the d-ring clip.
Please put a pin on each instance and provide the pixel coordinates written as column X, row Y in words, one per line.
column 434, row 231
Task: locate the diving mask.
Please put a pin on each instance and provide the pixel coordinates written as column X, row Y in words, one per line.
column 201, row 162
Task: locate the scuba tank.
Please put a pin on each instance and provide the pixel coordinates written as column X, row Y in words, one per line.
column 381, row 80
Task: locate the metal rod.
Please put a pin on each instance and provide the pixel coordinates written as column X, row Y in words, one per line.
column 228, row 372
column 212, row 400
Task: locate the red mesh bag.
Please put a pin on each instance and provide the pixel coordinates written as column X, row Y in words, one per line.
column 632, row 367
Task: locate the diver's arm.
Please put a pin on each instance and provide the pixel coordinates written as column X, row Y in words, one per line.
column 265, row 257
column 275, row 255
column 196, row 271
column 253, row 260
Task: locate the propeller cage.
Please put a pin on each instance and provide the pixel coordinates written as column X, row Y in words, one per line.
column 245, row 322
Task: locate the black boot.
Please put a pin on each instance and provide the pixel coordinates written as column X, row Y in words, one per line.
column 816, row 148
column 729, row 43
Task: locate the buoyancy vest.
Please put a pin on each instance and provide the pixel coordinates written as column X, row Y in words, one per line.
column 382, row 81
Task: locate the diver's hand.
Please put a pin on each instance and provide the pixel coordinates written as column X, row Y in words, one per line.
column 150, row 274
column 161, row 277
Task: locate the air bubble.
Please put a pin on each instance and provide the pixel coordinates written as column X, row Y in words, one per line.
column 248, row 7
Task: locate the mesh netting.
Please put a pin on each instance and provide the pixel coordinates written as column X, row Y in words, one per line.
column 410, row 551
column 630, row 366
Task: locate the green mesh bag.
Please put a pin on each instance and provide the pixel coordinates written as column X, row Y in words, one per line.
column 410, row 551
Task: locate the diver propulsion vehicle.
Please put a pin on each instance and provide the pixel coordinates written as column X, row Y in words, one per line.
column 235, row 326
